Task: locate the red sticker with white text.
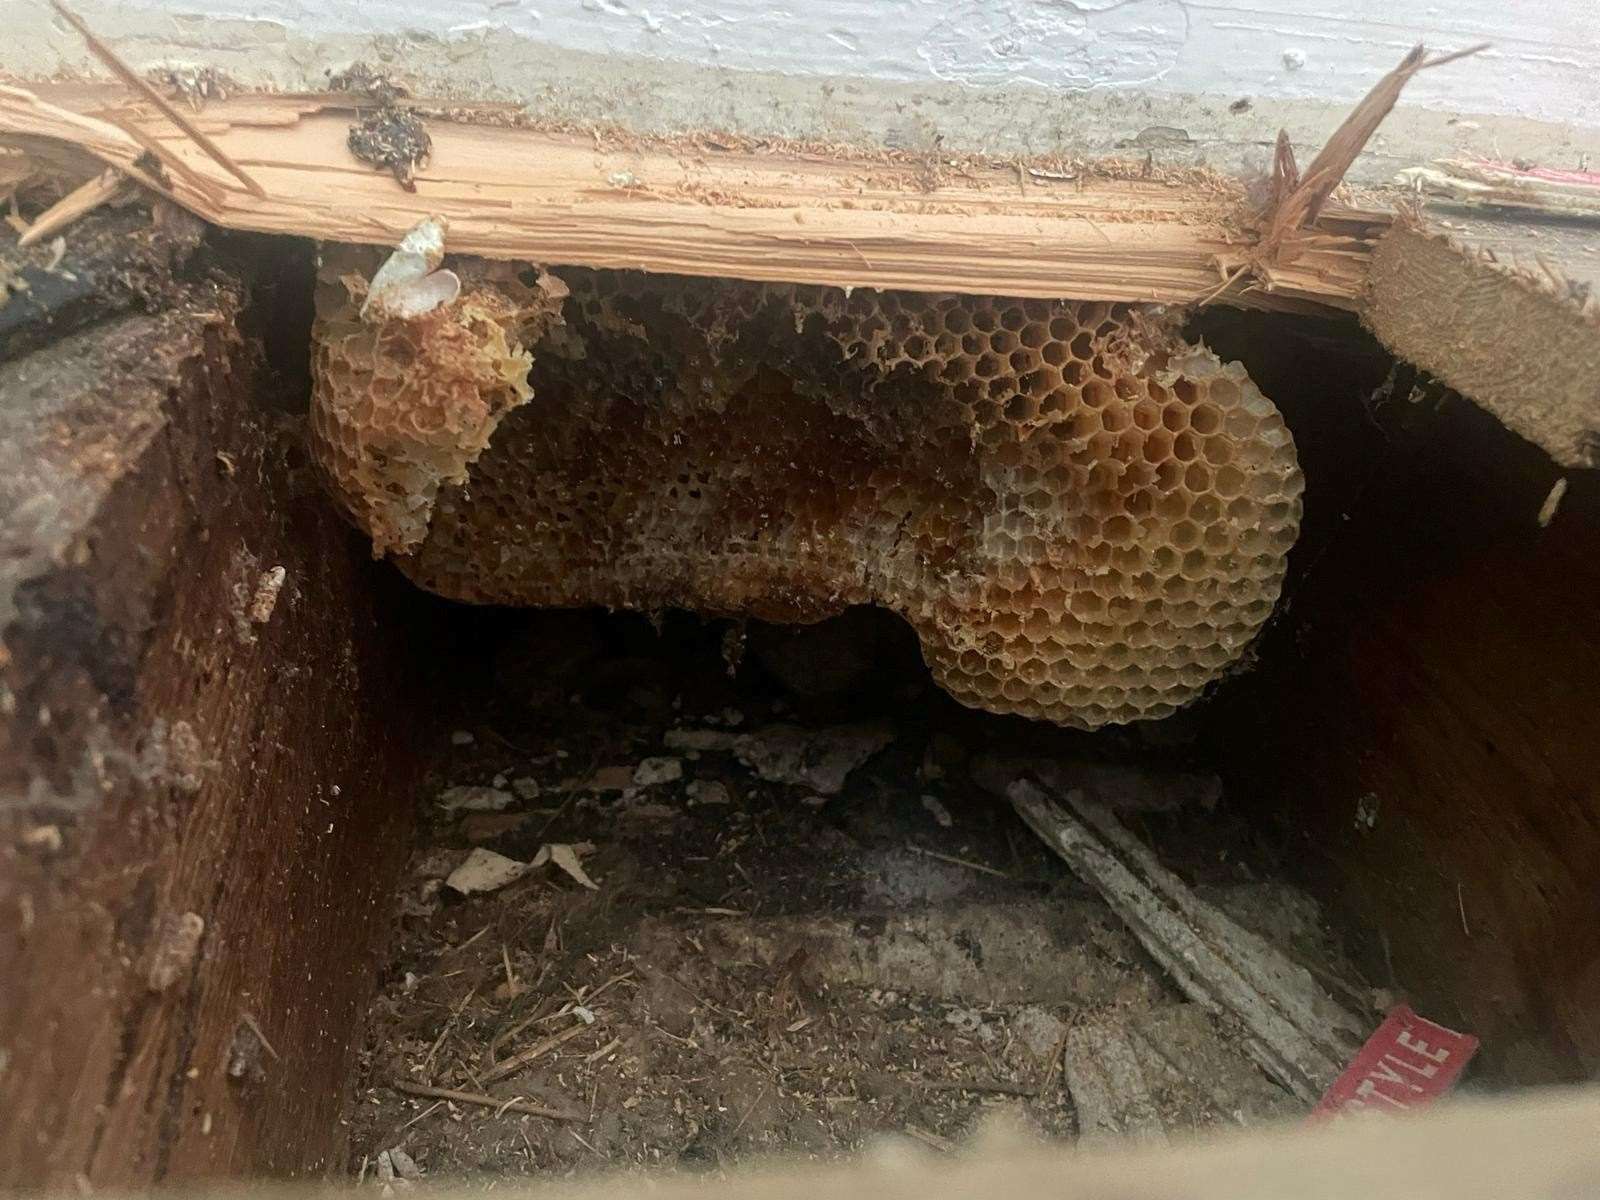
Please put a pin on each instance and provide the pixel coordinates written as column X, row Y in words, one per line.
column 1408, row 1063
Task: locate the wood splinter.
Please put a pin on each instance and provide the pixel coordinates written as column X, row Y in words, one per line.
column 139, row 84
column 1297, row 199
column 82, row 200
column 482, row 1101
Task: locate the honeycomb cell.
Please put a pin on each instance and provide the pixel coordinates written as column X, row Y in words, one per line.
column 1084, row 518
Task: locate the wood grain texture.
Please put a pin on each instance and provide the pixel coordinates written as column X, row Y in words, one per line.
column 183, row 759
column 773, row 214
column 1518, row 341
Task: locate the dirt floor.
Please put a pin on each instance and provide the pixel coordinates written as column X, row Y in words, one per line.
column 714, row 962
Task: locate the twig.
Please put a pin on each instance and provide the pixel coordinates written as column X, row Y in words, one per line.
column 995, row 1086
column 465, row 944
column 1461, row 904
column 1056, row 1057
column 532, row 1018
column 140, row 85
column 958, row 862
column 481, row 1100
column 511, row 976
column 765, row 1087
column 425, row 1112
column 427, row 1063
column 615, row 979
column 944, row 1145
column 540, row 1048
column 80, row 201
column 603, row 1051
column 1227, row 282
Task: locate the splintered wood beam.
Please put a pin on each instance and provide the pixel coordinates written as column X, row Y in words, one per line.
column 694, row 207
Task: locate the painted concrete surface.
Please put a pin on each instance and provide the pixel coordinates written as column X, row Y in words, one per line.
column 1092, row 76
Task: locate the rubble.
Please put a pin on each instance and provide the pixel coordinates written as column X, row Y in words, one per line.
column 726, row 941
column 652, row 771
column 707, row 791
column 566, row 857
column 818, row 759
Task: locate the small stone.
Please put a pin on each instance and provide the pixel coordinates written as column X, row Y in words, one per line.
column 461, row 738
column 404, row 1166
column 939, row 812
column 708, row 791
column 473, row 799
column 652, row 771
column 814, row 801
column 526, row 787
column 820, row 759
column 965, row 1020
column 46, row 839
column 499, row 780
column 1039, row 1031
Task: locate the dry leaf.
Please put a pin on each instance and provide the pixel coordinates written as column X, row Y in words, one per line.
column 565, row 856
column 485, row 871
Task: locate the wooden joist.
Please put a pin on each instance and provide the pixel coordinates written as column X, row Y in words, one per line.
column 762, row 212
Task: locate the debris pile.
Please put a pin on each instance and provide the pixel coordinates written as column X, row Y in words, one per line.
column 678, row 931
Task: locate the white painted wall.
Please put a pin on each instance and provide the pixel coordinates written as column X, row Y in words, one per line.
column 1544, row 64
column 997, row 76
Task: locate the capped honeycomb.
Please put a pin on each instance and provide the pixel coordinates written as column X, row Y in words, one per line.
column 1084, row 518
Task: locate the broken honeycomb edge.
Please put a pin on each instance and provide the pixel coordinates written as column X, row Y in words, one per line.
column 1084, row 518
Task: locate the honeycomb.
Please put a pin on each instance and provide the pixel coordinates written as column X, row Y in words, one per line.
column 417, row 398
column 1084, row 518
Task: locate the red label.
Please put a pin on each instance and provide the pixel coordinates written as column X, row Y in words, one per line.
column 1408, row 1063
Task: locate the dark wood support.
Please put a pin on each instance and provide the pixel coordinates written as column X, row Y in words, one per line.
column 203, row 807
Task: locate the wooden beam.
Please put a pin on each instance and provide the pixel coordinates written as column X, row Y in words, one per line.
column 750, row 211
column 198, row 834
column 1506, row 312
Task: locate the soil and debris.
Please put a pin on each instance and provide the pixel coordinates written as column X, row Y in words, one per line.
column 658, row 916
